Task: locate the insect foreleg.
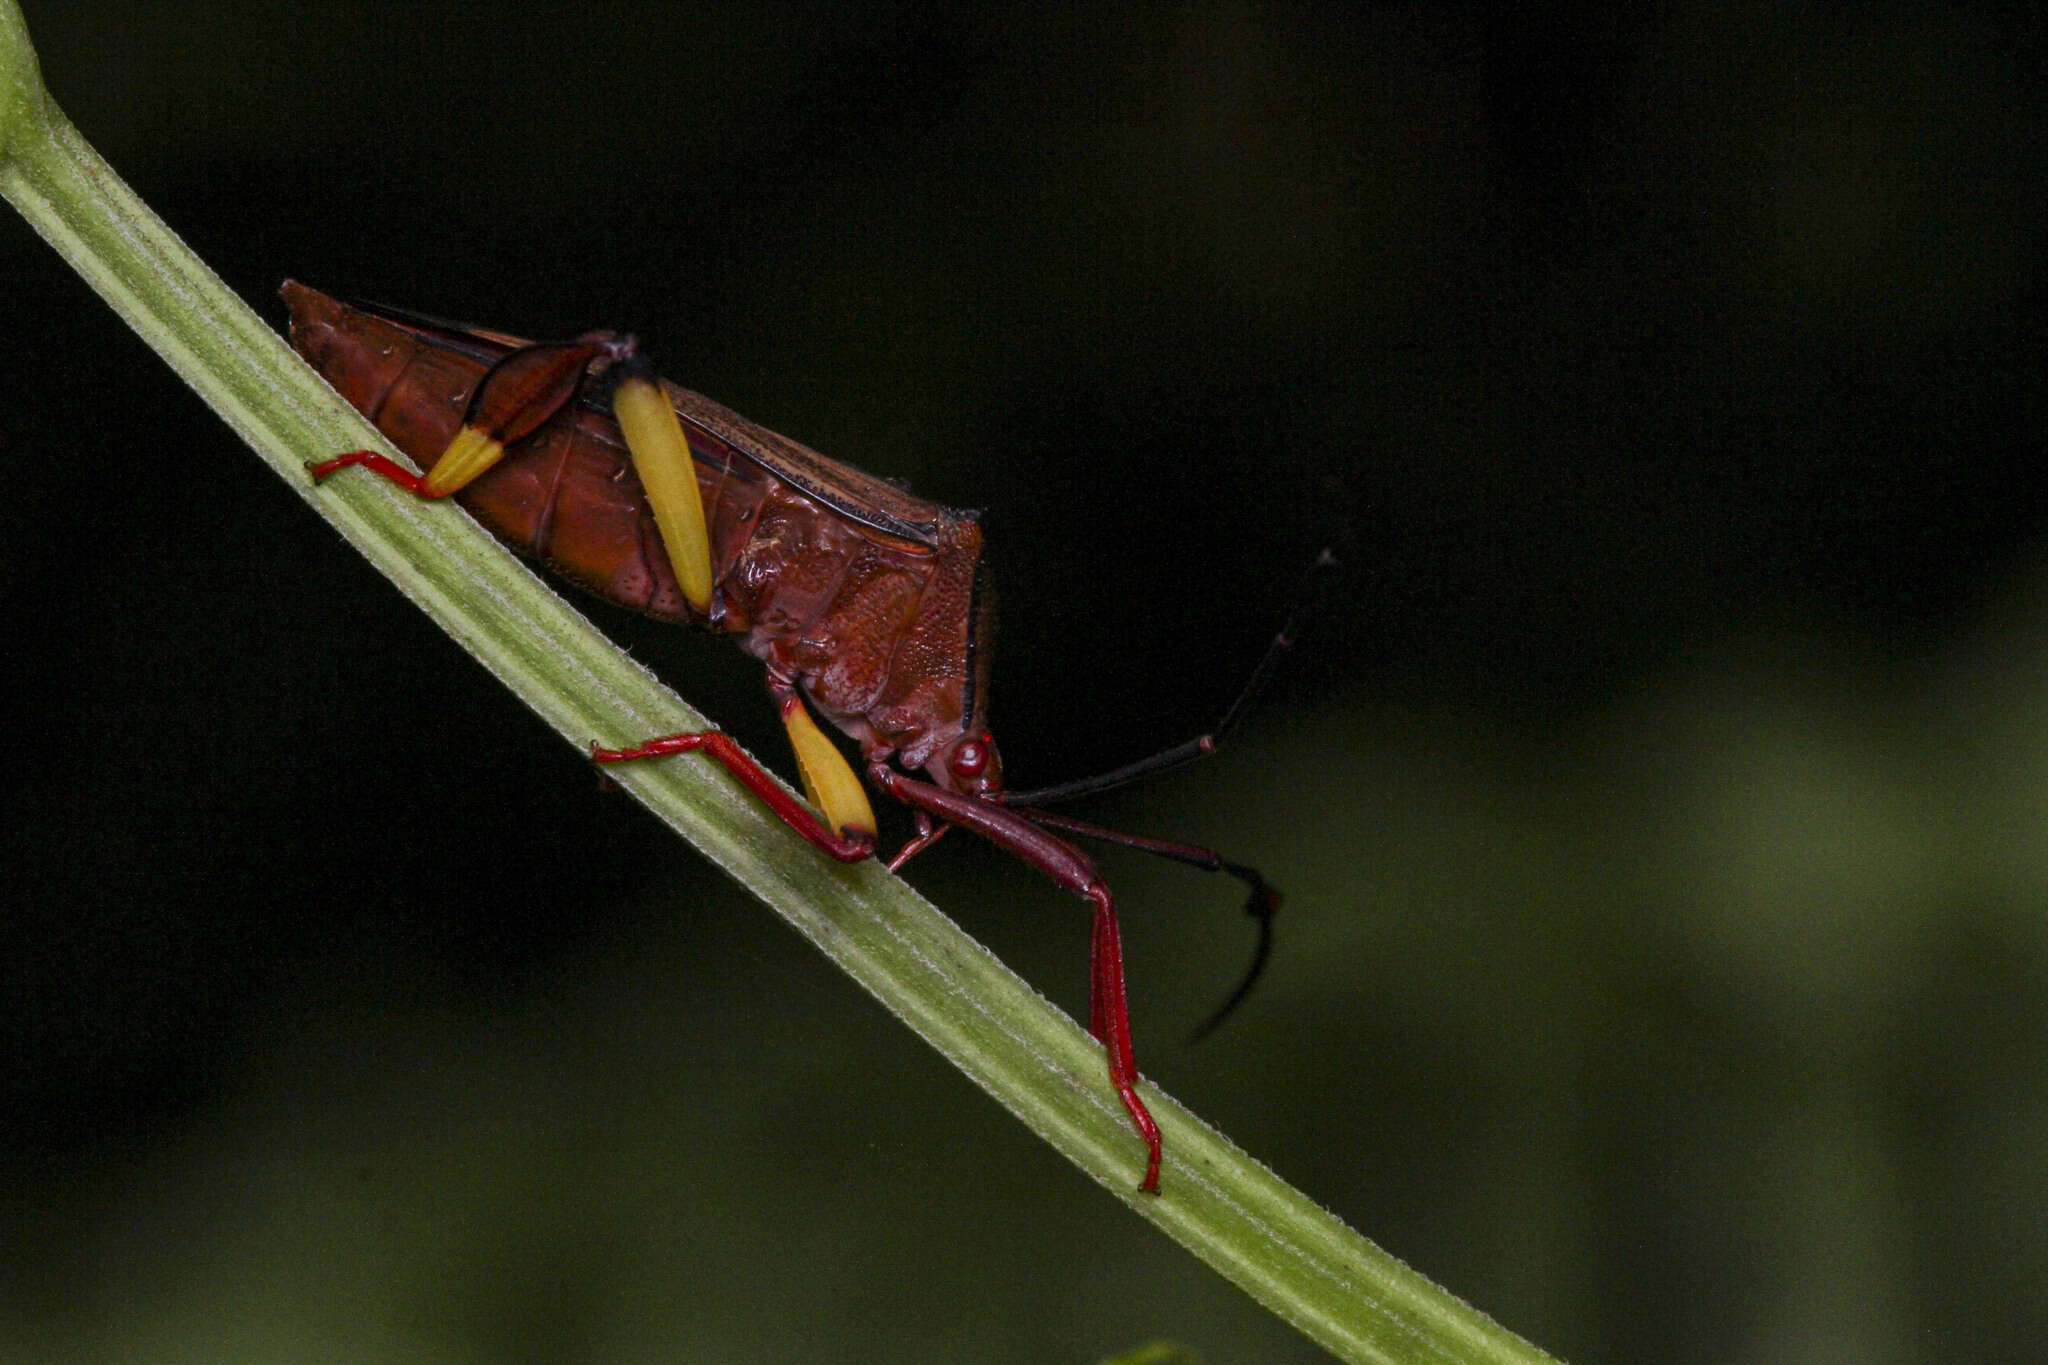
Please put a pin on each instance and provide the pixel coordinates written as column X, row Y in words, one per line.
column 1109, row 1014
column 929, row 832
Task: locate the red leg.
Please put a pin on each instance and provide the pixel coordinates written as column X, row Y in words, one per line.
column 929, row 832
column 847, row 848
column 381, row 465
column 1109, row 1011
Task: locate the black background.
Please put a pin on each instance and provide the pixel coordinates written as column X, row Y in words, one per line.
column 1658, row 792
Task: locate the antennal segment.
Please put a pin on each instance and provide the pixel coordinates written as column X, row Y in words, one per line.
column 1201, row 746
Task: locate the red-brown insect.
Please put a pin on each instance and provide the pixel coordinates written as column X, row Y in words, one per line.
column 864, row 602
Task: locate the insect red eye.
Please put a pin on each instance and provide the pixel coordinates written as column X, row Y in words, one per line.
column 969, row 758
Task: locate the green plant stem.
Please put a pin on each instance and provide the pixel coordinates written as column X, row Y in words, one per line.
column 1272, row 1241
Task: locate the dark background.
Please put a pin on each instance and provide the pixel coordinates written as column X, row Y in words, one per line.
column 1661, row 793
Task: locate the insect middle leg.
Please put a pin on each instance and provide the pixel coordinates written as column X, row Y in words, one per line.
column 848, row 830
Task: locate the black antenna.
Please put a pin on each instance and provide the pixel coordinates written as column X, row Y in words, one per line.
column 1201, row 746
